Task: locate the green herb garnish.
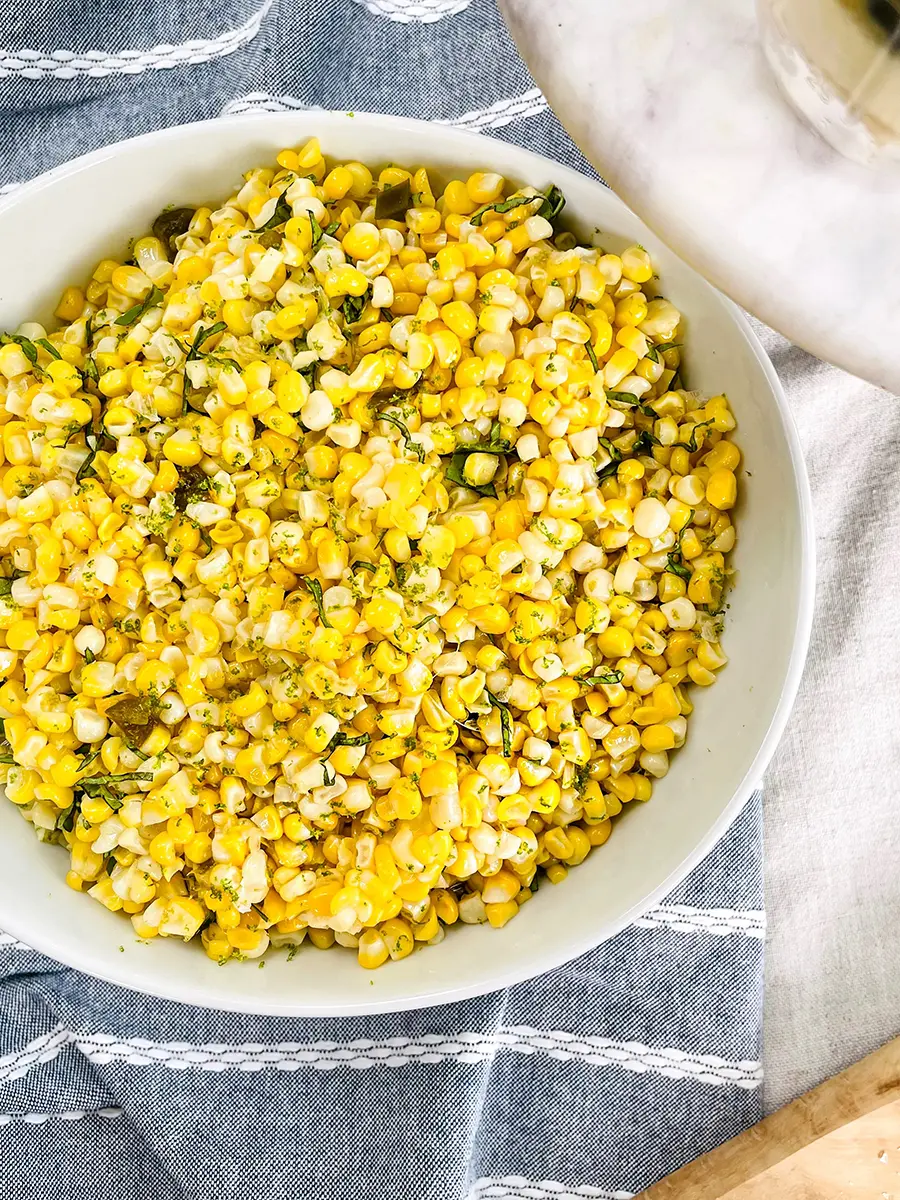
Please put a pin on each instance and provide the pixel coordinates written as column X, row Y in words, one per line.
column 615, row 457
column 49, row 347
column 101, row 786
column 171, row 224
column 675, row 560
column 416, row 447
column 551, row 205
column 393, row 202
column 592, row 355
column 87, row 466
column 501, row 206
column 132, row 714
column 454, row 472
column 606, row 679
column 506, row 723
column 193, row 486
column 627, row 398
column 315, row 590
column 691, row 445
column 202, row 336
column 281, row 214
column 365, row 566
column 354, row 307
column 554, row 203
column 341, row 739
column 28, row 347
column 644, row 443
column 134, row 314
column 675, row 564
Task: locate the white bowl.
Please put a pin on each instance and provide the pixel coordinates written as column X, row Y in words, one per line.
column 54, row 230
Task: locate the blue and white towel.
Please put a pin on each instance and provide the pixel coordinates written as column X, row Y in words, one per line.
column 592, row 1081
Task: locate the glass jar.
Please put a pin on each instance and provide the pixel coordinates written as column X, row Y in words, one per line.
column 838, row 61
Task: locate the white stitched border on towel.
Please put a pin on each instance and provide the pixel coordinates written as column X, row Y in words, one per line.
column 267, row 102
column 95, row 64
column 684, row 918
column 7, row 939
column 517, row 1187
column 503, row 112
column 363, row 1053
column 41, row 1049
column 420, row 12
column 75, row 1114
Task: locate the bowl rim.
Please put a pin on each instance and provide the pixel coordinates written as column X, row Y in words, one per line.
column 551, row 954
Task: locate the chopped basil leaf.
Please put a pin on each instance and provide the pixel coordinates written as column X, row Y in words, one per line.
column 90, row 656
column 554, row 203
column 592, row 355
column 281, row 214
column 132, row 714
column 87, row 467
column 28, row 347
column 101, row 786
column 416, row 447
column 354, row 307
column 691, row 444
column 5, row 747
column 193, row 485
column 424, row 621
column 49, row 347
column 134, row 314
column 341, row 739
column 454, row 472
column 315, row 590
column 627, row 398
column 612, row 466
column 644, row 443
column 365, row 566
column 202, row 336
column 393, row 202
column 172, row 224
column 331, row 230
column 501, row 206
column 506, row 723
column 675, row 564
column 675, row 560
column 496, row 445
column 90, row 369
column 606, row 679
column 652, row 354
column 316, row 231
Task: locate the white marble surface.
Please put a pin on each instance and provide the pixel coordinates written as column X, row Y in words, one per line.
column 674, row 103
column 800, row 248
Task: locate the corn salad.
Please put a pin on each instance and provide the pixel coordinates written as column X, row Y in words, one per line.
column 359, row 546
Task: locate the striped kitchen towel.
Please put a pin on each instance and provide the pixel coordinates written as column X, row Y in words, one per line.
column 592, row 1081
